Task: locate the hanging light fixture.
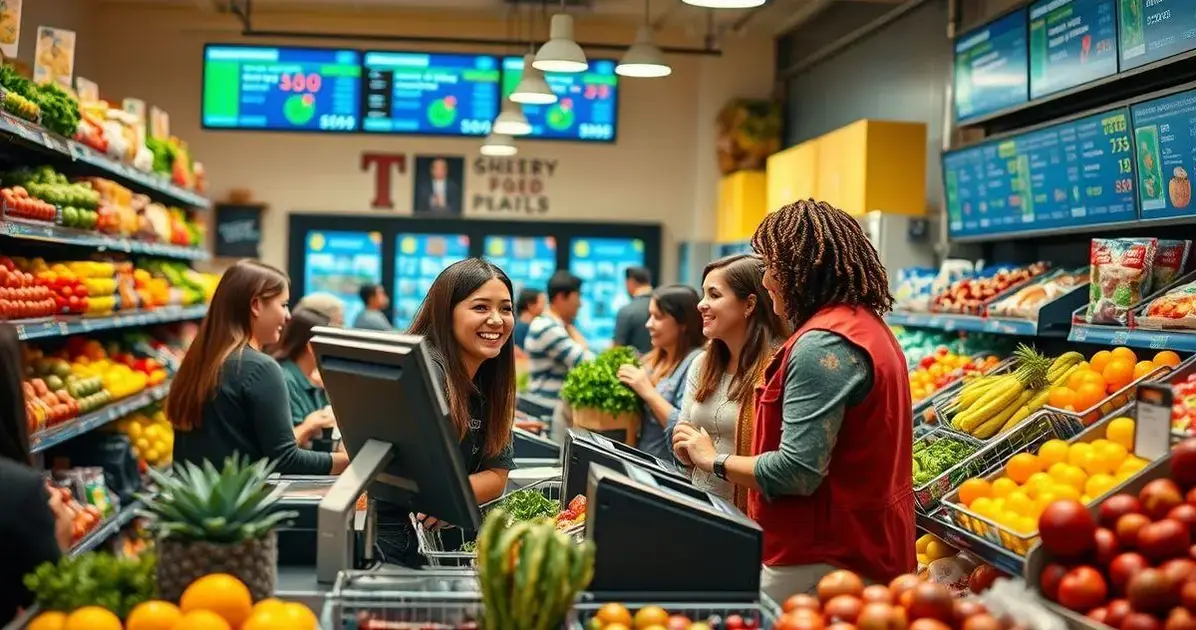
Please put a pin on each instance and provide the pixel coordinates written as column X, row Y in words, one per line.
column 511, row 121
column 560, row 53
column 643, row 59
column 499, row 145
column 532, row 88
column 725, row 4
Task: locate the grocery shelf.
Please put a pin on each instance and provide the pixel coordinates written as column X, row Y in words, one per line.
column 1177, row 340
column 1054, row 318
column 998, row 557
column 13, row 128
column 71, row 429
column 51, row 233
column 107, row 529
column 66, row 325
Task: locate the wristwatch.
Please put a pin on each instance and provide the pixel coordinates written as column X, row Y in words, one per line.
column 720, row 467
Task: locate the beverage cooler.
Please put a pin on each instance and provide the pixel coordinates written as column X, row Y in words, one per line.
column 338, row 253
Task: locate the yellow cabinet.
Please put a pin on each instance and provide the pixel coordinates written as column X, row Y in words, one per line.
column 874, row 165
column 792, row 175
column 741, row 205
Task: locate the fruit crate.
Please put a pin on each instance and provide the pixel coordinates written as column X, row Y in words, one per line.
column 943, row 399
column 923, row 405
column 754, row 615
column 1116, row 400
column 982, row 308
column 1038, row 429
column 391, row 597
column 1181, row 372
column 929, row 493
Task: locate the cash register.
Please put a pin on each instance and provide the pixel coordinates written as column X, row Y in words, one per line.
column 394, row 423
column 584, row 448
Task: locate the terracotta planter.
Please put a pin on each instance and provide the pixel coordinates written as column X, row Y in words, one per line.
column 254, row 562
column 624, row 427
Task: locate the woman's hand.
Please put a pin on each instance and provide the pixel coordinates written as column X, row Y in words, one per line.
column 681, row 433
column 634, row 377
column 64, row 519
column 700, row 449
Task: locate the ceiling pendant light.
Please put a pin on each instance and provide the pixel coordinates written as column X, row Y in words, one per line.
column 511, row 121
column 560, row 53
column 725, row 4
column 532, row 88
column 498, row 145
column 643, row 59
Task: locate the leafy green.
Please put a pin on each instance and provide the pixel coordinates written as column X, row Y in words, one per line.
column 60, row 110
column 529, row 504
column 595, row 384
column 94, row 579
column 933, row 458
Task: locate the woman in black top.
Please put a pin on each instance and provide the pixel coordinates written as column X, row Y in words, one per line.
column 35, row 526
column 310, row 411
column 229, row 397
column 467, row 319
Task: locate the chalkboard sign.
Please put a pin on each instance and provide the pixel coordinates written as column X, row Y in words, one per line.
column 238, row 231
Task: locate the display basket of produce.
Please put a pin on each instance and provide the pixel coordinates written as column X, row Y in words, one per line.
column 942, row 372
column 1001, row 399
column 1182, row 381
column 973, row 295
column 454, row 546
column 21, row 108
column 942, row 461
column 1115, row 400
column 590, row 614
column 1046, row 462
column 369, row 600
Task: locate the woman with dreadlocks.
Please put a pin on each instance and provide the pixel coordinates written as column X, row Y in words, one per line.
column 829, row 479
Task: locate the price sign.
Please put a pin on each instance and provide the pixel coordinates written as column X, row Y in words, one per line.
column 1159, row 342
column 1119, row 337
column 1152, row 438
column 1079, row 333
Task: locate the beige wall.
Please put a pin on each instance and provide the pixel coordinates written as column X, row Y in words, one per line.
column 662, row 169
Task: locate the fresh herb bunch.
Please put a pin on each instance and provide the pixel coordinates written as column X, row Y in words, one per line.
column 595, row 384
column 94, row 579
column 60, row 110
column 932, row 459
column 529, row 504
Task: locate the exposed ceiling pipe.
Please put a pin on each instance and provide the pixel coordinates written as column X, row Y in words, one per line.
column 808, row 10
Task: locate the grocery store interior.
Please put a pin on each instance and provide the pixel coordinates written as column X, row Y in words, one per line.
column 597, row 314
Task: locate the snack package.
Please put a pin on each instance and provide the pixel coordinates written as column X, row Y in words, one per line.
column 1120, row 272
column 1174, row 309
column 1170, row 258
column 913, row 290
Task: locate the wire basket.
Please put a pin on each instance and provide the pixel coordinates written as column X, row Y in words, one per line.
column 435, row 600
column 957, row 380
column 1112, row 402
column 929, row 493
column 942, row 401
column 755, row 615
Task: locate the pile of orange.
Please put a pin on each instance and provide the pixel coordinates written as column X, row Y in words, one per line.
column 1107, row 372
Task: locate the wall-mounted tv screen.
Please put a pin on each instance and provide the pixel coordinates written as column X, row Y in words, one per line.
column 281, row 88
column 588, row 108
column 430, row 93
column 1151, row 30
column 1165, row 144
column 1072, row 42
column 991, row 67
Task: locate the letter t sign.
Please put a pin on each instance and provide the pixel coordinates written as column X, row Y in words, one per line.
column 383, row 162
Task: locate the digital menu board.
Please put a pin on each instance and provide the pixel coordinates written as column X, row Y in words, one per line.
column 339, row 263
column 601, row 264
column 1070, row 174
column 1151, row 30
column 730, row 249
column 588, row 104
column 1072, row 42
column 991, row 67
column 430, row 93
column 290, row 89
column 419, row 258
column 1165, row 143
column 528, row 260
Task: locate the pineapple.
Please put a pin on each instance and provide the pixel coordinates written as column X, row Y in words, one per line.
column 216, row 521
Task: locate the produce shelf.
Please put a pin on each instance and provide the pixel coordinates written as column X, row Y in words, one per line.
column 66, row 325
column 1177, row 340
column 13, row 128
column 106, row 529
column 998, row 557
column 70, row 429
column 51, row 233
column 1054, row 317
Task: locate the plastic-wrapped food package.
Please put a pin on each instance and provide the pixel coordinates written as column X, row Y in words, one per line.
column 1170, row 259
column 914, row 288
column 1174, row 309
column 1121, row 269
column 1026, row 302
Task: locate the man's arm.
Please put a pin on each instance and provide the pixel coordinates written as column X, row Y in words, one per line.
column 560, row 347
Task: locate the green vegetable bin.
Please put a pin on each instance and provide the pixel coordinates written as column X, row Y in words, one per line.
column 928, row 494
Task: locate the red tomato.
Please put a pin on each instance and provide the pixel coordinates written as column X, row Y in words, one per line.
column 1083, row 589
column 1067, row 528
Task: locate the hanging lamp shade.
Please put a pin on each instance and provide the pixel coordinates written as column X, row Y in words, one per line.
column 499, row 145
column 532, row 88
column 511, row 121
column 560, row 53
column 643, row 59
column 725, row 4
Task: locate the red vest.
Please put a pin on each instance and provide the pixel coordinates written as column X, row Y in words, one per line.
column 861, row 517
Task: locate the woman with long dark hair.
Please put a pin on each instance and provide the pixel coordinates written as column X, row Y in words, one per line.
column 229, row 397
column 738, row 319
column 467, row 319
column 675, row 329
column 310, row 411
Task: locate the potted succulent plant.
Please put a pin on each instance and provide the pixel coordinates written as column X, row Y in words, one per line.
column 600, row 402
column 208, row 520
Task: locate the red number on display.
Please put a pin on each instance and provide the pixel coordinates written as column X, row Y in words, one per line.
column 300, row 82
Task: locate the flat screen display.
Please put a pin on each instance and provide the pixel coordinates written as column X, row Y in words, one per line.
column 1071, row 174
column 419, row 258
column 1151, row 30
column 1072, row 42
column 1165, row 143
column 339, row 263
column 601, row 264
column 588, row 107
column 281, row 89
column 430, row 93
column 528, row 260
column 991, row 67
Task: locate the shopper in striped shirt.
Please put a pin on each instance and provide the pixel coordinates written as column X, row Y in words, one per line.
column 553, row 344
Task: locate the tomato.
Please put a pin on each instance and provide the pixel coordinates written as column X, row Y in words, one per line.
column 901, row 584
column 1151, row 592
column 838, row 583
column 931, row 601
column 982, row 578
column 1139, row 621
column 800, row 619
column 1158, row 497
column 1163, row 540
column 1117, row 610
column 1067, row 528
column 1180, row 619
column 1052, row 574
column 1183, row 463
column 845, row 608
column 1107, row 546
column 1128, row 527
column 881, row 616
column 1117, row 506
column 1082, row 589
column 801, row 600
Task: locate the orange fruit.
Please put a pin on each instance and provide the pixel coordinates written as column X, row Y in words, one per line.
column 282, row 616
column 1125, row 354
column 1089, row 395
column 1021, row 466
column 1118, row 373
column 52, row 620
column 1061, row 397
column 92, row 618
column 1167, row 357
column 270, row 603
column 973, row 489
column 1100, row 360
column 1121, row 431
column 153, row 615
column 1002, row 487
column 202, row 620
column 1142, row 368
column 1053, row 452
column 220, row 593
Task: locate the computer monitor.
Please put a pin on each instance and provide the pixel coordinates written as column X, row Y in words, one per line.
column 384, row 390
column 584, row 448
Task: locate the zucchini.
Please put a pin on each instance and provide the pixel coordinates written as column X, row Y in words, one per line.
column 499, row 572
column 487, row 538
column 554, row 589
column 527, row 572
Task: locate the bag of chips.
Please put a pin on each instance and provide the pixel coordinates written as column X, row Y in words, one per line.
column 1170, row 258
column 1120, row 277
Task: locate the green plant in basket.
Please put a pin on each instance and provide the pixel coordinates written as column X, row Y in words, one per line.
column 595, row 384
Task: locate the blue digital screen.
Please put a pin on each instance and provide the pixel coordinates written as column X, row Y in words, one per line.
column 292, row 89
column 1151, row 30
column 430, row 93
column 991, row 67
column 730, row 249
column 528, row 260
column 601, row 264
column 339, row 263
column 1075, row 173
column 419, row 258
column 1165, row 143
column 1072, row 42
column 588, row 107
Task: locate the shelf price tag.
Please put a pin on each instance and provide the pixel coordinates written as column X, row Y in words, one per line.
column 1152, row 438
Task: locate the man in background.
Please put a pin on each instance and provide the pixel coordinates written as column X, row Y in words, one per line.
column 325, row 304
column 438, row 193
column 553, row 344
column 376, row 302
column 529, row 306
column 631, row 320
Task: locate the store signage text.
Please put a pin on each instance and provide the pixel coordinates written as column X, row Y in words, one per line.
column 384, row 165
column 512, row 185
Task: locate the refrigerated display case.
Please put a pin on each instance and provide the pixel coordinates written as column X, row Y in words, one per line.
column 419, row 258
column 339, row 263
column 528, row 260
column 601, row 264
